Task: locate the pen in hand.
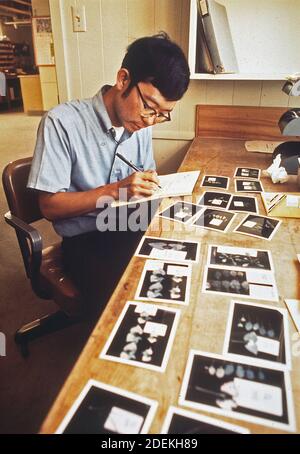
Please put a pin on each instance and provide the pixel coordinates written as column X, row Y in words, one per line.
column 130, row 164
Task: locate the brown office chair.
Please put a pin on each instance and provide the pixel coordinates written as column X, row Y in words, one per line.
column 43, row 266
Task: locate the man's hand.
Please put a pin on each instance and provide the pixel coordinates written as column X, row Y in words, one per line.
column 139, row 184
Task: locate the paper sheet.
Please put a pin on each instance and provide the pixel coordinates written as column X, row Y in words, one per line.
column 172, row 185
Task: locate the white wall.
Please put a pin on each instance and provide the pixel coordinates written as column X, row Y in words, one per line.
column 87, row 60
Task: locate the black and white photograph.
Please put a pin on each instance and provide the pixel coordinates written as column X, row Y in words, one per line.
column 168, row 249
column 212, row 219
column 181, row 212
column 143, row 336
column 166, row 282
column 247, row 172
column 215, row 199
column 105, row 409
column 238, row 389
column 259, row 333
column 215, row 181
column 239, row 257
column 258, row 226
column 180, row 421
column 241, row 203
column 254, row 284
column 248, row 186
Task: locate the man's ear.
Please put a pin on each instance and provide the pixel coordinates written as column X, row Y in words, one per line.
column 123, row 79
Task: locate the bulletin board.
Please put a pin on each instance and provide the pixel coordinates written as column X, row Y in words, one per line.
column 43, row 41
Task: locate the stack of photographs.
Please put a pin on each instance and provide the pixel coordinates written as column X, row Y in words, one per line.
column 180, row 421
column 239, row 389
column 240, row 271
column 166, row 282
column 247, row 180
column 105, row 409
column 168, row 249
column 143, row 336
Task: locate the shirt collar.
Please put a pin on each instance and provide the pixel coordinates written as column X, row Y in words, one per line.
column 102, row 114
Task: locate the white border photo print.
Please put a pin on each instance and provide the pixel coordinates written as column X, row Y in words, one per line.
column 215, row 181
column 168, row 249
column 180, row 211
column 214, row 219
column 215, row 199
column 239, row 257
column 239, row 390
column 143, row 336
column 247, row 173
column 254, row 284
column 180, row 421
column 166, row 282
column 259, row 334
column 258, row 226
column 104, row 409
column 243, row 204
column 248, row 186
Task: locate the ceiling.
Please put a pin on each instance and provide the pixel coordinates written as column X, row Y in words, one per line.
column 15, row 9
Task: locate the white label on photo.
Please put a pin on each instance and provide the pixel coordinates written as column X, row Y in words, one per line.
column 262, row 292
column 167, row 254
column 150, row 309
column 236, row 250
column 216, row 222
column 238, row 204
column 260, row 277
column 154, row 265
column 216, row 202
column 177, row 270
column 258, row 396
column 211, row 180
column 182, row 214
column 249, row 224
column 155, row 329
column 245, row 183
column 269, row 346
column 123, row 421
column 248, row 187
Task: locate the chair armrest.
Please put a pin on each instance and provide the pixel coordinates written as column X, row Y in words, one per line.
column 33, row 257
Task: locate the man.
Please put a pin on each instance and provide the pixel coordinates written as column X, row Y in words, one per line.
column 75, row 162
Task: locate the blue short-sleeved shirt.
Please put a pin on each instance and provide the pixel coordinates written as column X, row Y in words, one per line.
column 75, row 151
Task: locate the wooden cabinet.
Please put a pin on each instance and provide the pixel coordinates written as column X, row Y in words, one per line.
column 31, row 93
column 265, row 35
column 7, row 56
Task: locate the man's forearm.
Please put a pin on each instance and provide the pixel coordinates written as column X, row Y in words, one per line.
column 62, row 205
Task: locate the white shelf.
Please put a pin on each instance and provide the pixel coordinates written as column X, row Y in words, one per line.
column 265, row 34
column 239, row 76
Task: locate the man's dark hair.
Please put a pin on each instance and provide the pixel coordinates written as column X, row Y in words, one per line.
column 158, row 60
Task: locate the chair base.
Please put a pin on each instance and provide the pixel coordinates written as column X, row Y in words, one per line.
column 40, row 327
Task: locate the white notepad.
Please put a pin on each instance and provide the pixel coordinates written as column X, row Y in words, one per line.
column 172, row 185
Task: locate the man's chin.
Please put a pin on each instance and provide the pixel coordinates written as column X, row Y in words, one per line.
column 132, row 127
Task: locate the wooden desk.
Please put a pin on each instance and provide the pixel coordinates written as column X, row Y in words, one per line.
column 202, row 323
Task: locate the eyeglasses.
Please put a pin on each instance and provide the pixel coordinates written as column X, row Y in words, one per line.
column 150, row 113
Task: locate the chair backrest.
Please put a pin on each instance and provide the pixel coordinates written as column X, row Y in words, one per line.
column 22, row 202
